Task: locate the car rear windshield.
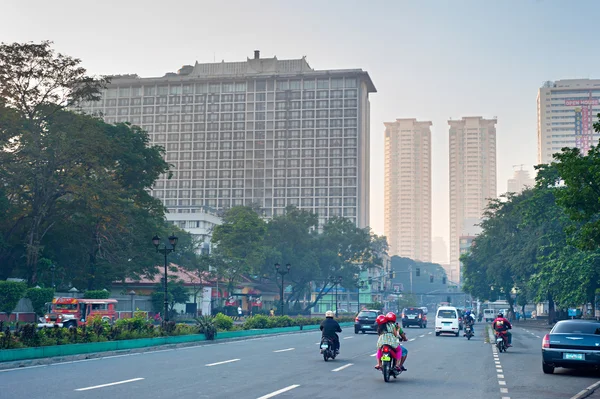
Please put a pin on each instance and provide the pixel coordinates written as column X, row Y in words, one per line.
column 367, row 314
column 412, row 311
column 447, row 314
column 577, row 328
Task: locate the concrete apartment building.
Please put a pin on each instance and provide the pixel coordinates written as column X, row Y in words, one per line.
column 472, row 167
column 263, row 131
column 407, row 200
column 519, row 181
column 566, row 111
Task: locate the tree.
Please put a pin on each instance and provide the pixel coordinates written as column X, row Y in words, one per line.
column 35, row 85
column 10, row 294
column 177, row 293
column 39, row 297
column 96, row 294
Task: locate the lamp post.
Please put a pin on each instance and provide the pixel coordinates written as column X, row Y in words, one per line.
column 132, row 293
column 336, row 281
column 282, row 272
column 359, row 285
column 165, row 251
column 52, row 269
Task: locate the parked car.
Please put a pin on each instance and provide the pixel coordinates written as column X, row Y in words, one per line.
column 414, row 317
column 365, row 321
column 572, row 344
column 446, row 320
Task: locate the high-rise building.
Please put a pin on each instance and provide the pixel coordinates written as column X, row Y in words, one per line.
column 566, row 111
column 439, row 251
column 407, row 200
column 472, row 178
column 520, row 181
column 263, row 132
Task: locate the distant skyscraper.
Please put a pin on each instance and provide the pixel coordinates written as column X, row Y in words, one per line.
column 263, row 131
column 472, row 178
column 439, row 251
column 407, row 200
column 566, row 111
column 520, row 181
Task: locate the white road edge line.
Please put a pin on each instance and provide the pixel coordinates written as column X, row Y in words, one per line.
column 224, row 362
column 421, row 336
column 109, row 384
column 284, row 350
column 278, row 392
column 412, row 339
column 23, row 368
column 343, row 367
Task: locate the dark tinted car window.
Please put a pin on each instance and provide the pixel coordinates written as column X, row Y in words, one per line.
column 413, row 311
column 367, row 314
column 577, row 328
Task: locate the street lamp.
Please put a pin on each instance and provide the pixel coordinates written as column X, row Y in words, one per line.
column 52, row 269
column 282, row 272
column 336, row 281
column 165, row 251
column 359, row 285
column 132, row 293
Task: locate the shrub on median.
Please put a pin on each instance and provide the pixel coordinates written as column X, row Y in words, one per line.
column 223, row 322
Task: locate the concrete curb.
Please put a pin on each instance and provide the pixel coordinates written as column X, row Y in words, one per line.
column 587, row 391
column 10, row 365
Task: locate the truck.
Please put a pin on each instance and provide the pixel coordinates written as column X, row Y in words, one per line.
column 74, row 312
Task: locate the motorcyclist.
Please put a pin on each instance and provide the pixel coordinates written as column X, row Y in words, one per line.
column 390, row 334
column 502, row 325
column 329, row 328
column 469, row 321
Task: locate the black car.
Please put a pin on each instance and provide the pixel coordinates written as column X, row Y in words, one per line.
column 414, row 317
column 572, row 344
column 365, row 321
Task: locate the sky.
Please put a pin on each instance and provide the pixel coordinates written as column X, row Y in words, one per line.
column 431, row 60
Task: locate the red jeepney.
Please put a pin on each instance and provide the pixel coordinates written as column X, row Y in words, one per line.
column 73, row 312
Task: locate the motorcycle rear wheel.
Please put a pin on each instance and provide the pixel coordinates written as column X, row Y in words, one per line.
column 386, row 371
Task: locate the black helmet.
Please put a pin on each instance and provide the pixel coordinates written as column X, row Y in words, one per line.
column 500, row 314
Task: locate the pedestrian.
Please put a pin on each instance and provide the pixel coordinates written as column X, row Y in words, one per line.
column 240, row 312
column 272, row 313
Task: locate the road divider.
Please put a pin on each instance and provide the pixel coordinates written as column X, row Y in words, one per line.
column 110, row 384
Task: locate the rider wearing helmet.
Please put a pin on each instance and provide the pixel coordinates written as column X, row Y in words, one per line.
column 500, row 324
column 389, row 334
column 329, row 328
column 469, row 321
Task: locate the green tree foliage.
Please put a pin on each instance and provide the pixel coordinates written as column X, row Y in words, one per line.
column 10, row 294
column 177, row 293
column 39, row 297
column 96, row 294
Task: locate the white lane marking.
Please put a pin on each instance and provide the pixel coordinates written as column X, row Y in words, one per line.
column 109, row 384
column 284, row 350
column 75, row 361
column 429, row 332
column 226, row 361
column 501, row 376
column 343, row 367
column 503, row 390
column 410, row 340
column 537, row 336
column 23, row 368
column 497, row 362
column 270, row 395
column 421, row 336
column 506, row 397
column 115, row 356
column 348, row 337
column 502, row 382
column 374, row 354
column 163, row 350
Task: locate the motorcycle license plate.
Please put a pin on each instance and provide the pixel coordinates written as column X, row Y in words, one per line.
column 386, row 358
column 324, row 346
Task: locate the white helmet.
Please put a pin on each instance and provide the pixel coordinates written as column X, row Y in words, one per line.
column 329, row 313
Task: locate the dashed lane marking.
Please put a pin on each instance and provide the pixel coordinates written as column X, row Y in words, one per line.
column 223, row 362
column 343, row 367
column 272, row 394
column 109, row 384
column 284, row 350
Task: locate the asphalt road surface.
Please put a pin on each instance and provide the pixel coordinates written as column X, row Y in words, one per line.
column 290, row 366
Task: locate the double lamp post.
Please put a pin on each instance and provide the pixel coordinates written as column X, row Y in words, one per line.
column 167, row 249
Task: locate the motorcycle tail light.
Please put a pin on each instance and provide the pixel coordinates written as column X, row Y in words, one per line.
column 546, row 341
column 386, row 349
column 356, row 319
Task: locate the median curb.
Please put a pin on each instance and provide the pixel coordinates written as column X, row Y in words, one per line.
column 26, row 357
column 587, row 391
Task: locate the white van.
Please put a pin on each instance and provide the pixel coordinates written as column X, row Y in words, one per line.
column 446, row 320
column 489, row 315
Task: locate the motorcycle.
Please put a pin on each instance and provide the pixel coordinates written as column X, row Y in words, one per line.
column 388, row 363
column 328, row 349
column 501, row 341
column 469, row 332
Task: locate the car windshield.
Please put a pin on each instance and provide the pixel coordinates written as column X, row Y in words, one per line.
column 447, row 314
column 412, row 311
column 367, row 314
column 577, row 328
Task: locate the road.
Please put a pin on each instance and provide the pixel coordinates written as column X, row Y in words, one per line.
column 289, row 366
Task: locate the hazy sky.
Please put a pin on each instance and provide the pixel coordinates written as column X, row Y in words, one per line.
column 431, row 60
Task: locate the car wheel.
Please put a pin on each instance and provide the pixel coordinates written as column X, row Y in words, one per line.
column 457, row 334
column 547, row 369
column 355, row 331
column 437, row 334
column 362, row 331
